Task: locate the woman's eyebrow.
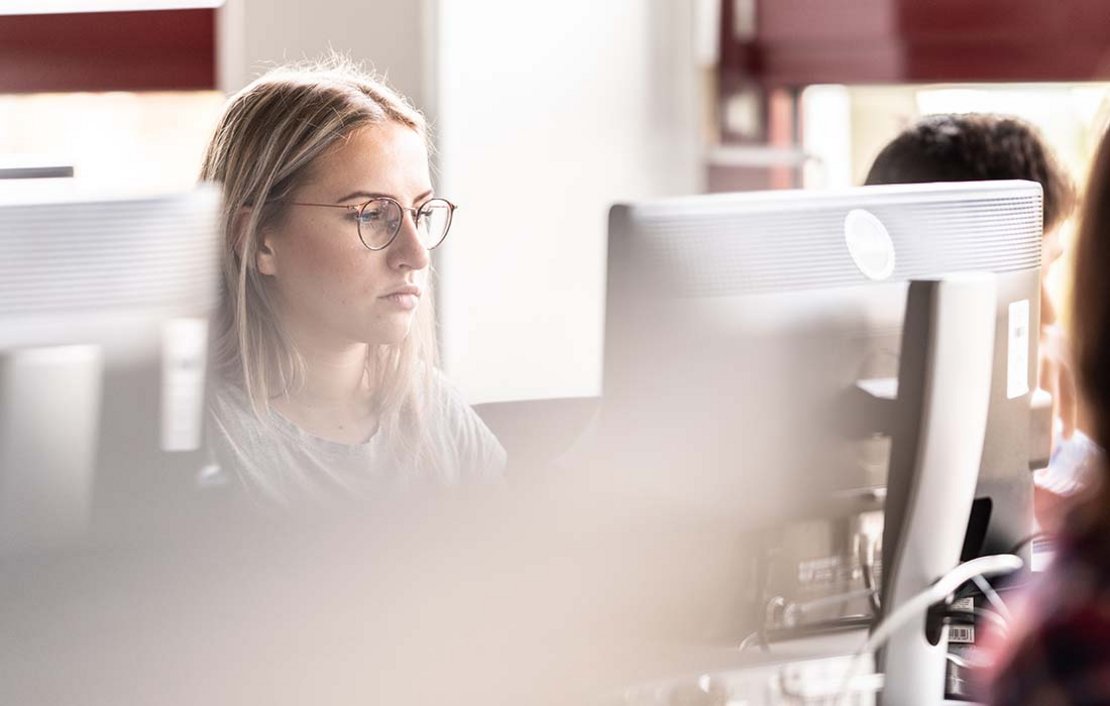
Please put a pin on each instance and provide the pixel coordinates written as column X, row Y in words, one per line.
column 363, row 195
column 366, row 195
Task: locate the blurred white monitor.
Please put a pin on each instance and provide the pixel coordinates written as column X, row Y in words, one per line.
column 739, row 326
column 793, row 355
column 104, row 307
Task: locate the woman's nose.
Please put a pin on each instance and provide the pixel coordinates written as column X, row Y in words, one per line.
column 407, row 251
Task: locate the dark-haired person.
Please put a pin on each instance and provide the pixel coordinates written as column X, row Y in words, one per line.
column 983, row 147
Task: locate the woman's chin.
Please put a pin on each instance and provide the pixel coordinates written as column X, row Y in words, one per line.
column 391, row 334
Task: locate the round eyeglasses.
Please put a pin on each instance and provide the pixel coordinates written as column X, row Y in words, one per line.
column 379, row 220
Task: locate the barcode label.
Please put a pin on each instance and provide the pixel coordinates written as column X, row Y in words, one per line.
column 963, row 634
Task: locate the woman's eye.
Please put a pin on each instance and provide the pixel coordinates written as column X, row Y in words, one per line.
column 370, row 215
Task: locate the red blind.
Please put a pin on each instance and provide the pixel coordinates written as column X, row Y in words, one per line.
column 799, row 42
column 108, row 51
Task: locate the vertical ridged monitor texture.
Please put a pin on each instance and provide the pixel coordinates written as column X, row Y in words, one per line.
column 751, row 249
column 142, row 253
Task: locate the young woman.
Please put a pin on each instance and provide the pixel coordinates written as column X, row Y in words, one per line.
column 326, row 380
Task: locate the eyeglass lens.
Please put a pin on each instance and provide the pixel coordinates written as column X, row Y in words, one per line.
column 380, row 220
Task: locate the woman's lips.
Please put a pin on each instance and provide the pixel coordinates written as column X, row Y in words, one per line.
column 405, row 298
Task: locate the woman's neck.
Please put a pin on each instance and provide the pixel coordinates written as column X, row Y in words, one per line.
column 335, row 401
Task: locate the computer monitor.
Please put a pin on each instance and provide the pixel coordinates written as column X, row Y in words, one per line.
column 763, row 312
column 761, row 350
column 104, row 307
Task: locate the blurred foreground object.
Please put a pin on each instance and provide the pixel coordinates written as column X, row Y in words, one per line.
column 104, row 304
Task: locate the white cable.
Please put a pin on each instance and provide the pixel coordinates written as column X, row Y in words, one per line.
column 940, row 590
column 983, row 566
column 748, row 641
column 964, row 662
column 799, row 610
column 995, row 600
column 998, row 620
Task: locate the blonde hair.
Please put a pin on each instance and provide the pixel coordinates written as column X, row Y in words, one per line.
column 264, row 147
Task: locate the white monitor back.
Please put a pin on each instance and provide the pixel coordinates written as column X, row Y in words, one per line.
column 104, row 308
column 738, row 325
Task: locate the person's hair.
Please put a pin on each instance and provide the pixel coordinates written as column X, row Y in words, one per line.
column 1090, row 331
column 265, row 146
column 976, row 147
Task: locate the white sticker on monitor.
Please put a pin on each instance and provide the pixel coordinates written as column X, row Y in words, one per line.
column 184, row 354
column 1017, row 350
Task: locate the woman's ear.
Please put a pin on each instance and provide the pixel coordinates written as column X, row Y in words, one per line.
column 264, row 259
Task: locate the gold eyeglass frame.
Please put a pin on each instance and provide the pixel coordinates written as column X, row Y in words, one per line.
column 414, row 213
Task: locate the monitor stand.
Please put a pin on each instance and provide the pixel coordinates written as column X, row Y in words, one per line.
column 944, row 390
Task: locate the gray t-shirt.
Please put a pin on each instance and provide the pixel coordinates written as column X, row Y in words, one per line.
column 277, row 461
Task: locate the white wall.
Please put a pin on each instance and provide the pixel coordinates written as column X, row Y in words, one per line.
column 547, row 113
column 388, row 35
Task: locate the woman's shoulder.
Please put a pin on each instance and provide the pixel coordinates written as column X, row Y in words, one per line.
column 478, row 453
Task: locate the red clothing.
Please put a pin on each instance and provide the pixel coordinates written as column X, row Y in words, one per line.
column 1058, row 651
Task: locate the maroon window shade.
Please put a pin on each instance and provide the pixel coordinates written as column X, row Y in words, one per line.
column 108, row 51
column 800, row 42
